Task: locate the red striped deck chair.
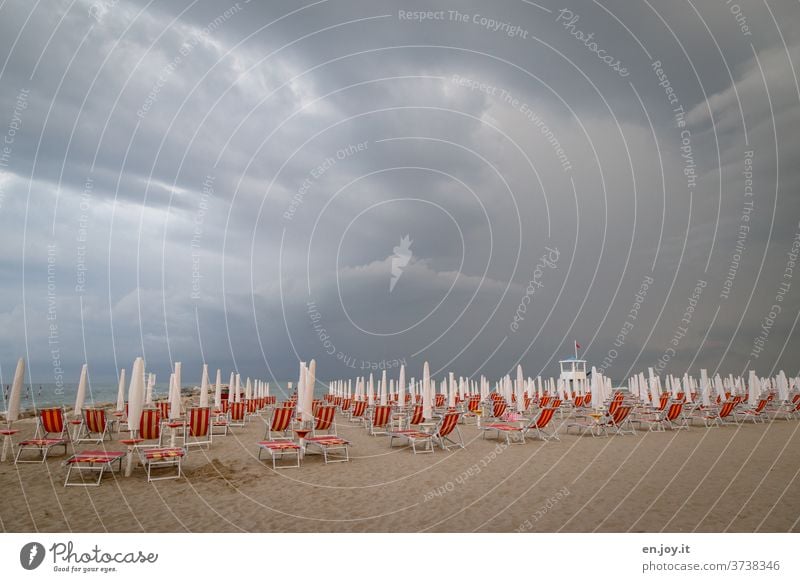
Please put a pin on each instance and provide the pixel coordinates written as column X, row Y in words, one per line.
column 252, row 407
column 417, row 416
column 293, row 408
column 199, row 426
column 545, row 399
column 271, row 400
column 722, row 415
column 219, row 424
column 578, row 402
column 445, row 431
column 417, row 398
column 756, row 414
column 345, row 405
column 154, row 455
column 92, row 462
column 473, row 408
column 674, row 418
column 94, row 428
column 315, row 404
column 663, row 400
column 616, row 420
column 415, row 419
column 614, row 404
column 150, row 426
column 526, row 403
column 323, row 421
column 788, row 410
column 121, row 418
column 237, row 414
column 537, row 425
column 670, row 418
column 334, row 449
column 619, row 421
column 474, row 403
column 163, row 408
column 439, row 401
column 359, row 410
column 380, row 418
column 279, row 424
column 496, row 411
column 226, row 404
column 540, row 424
column 51, row 431
column 278, row 449
column 680, row 396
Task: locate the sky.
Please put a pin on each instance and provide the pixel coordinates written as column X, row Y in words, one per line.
column 369, row 184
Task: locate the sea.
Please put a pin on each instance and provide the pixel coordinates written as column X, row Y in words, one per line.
column 36, row 396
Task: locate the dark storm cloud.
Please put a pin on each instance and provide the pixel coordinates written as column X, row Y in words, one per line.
column 193, row 174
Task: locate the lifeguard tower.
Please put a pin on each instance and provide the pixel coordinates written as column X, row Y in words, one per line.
column 573, row 373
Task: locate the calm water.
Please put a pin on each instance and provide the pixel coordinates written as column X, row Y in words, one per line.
column 42, row 395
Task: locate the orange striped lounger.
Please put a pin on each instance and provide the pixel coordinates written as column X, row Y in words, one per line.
column 162, row 457
column 93, row 462
column 413, row 437
column 279, row 449
column 328, row 444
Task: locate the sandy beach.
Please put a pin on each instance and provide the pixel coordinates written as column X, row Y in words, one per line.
column 732, row 478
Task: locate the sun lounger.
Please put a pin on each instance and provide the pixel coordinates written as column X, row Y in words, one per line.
column 445, row 432
column 617, row 421
column 536, row 426
column 199, row 428
column 279, row 424
column 94, row 427
column 278, row 449
column 378, row 421
column 153, row 454
column 671, row 417
column 51, row 431
column 324, row 421
column 359, row 411
column 92, row 462
column 334, row 449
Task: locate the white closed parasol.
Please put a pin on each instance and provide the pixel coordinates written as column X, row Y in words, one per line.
column 427, row 393
column 121, row 391
column 204, row 387
column 308, row 400
column 136, row 395
column 80, row 397
column 218, row 391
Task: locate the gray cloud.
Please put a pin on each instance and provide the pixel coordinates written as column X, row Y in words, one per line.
column 484, row 148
